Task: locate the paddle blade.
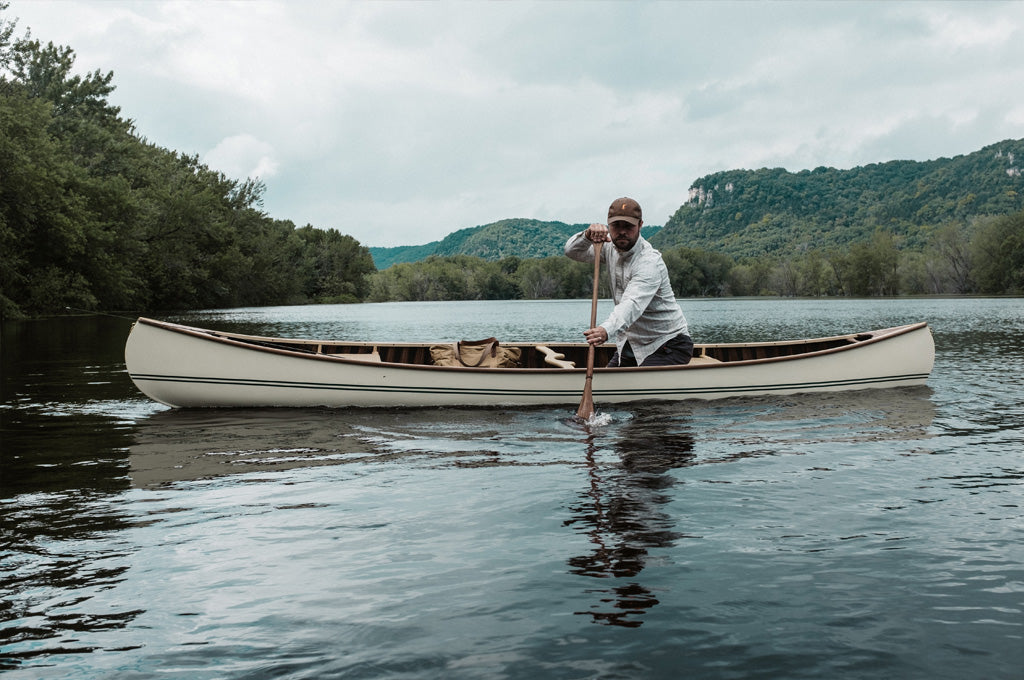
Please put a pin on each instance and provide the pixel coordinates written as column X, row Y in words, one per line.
column 586, row 409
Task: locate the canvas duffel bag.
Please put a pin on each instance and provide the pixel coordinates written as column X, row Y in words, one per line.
column 486, row 353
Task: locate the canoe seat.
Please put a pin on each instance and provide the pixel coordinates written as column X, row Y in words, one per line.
column 554, row 358
column 373, row 356
column 704, row 360
column 701, row 357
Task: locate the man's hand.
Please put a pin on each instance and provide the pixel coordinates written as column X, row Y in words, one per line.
column 596, row 336
column 597, row 233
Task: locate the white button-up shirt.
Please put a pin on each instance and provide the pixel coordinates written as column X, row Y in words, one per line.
column 646, row 313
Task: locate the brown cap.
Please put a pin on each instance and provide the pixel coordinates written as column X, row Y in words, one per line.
column 625, row 210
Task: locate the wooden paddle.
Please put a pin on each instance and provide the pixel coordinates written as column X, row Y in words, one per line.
column 586, row 409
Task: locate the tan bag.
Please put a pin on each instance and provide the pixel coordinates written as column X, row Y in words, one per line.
column 486, row 353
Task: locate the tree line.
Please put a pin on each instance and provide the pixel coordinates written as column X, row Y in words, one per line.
column 93, row 216
column 984, row 257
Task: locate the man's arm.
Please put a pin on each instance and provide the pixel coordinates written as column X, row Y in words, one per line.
column 580, row 246
column 642, row 288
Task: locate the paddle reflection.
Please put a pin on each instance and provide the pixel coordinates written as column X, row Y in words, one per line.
column 622, row 512
column 619, row 512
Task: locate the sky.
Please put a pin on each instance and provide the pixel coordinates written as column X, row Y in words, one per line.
column 399, row 122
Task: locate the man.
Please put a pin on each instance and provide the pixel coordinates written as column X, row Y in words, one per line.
column 647, row 325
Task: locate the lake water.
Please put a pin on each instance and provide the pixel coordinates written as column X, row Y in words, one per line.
column 875, row 534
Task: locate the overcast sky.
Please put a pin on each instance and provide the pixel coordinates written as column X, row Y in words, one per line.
column 399, row 123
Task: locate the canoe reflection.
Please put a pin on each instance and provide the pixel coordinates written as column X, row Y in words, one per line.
column 181, row 445
column 619, row 512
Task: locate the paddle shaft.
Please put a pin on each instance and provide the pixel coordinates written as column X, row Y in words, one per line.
column 586, row 409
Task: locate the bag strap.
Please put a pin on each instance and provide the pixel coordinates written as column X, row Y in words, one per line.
column 490, row 343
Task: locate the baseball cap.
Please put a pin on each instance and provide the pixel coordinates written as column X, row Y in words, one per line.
column 625, row 210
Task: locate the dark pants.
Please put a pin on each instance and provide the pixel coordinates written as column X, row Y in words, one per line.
column 678, row 350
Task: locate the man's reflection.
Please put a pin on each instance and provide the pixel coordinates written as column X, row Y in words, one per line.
column 619, row 511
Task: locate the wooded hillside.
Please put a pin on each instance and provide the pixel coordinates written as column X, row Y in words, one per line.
column 522, row 238
column 772, row 211
column 753, row 213
column 898, row 228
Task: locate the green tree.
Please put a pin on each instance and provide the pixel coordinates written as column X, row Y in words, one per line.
column 338, row 266
column 541, row 279
column 493, row 280
column 948, row 263
column 813, row 274
column 997, row 253
column 696, row 272
column 44, row 219
column 873, row 266
column 750, row 276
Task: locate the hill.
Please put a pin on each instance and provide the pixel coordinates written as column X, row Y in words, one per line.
column 769, row 211
column 523, row 238
column 774, row 211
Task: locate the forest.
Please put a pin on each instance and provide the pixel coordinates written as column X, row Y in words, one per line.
column 95, row 217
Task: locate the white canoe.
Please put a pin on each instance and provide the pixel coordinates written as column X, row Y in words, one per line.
column 182, row 366
column 187, row 367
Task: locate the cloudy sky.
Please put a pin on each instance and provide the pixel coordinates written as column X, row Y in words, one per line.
column 399, row 122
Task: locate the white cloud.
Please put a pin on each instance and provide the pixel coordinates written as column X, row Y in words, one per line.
column 242, row 156
column 951, row 29
column 1016, row 116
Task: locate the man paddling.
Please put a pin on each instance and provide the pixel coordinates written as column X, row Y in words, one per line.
column 647, row 324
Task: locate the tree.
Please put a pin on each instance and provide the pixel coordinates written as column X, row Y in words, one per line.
column 873, row 266
column 750, row 276
column 43, row 217
column 997, row 251
column 695, row 272
column 813, row 275
column 338, row 266
column 950, row 260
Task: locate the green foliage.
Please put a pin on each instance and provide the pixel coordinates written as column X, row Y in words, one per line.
column 699, row 273
column 556, row 277
column 750, row 213
column 460, row 277
column 93, row 217
column 338, row 267
column 751, row 276
column 385, row 257
column 876, row 266
column 998, row 251
column 873, row 266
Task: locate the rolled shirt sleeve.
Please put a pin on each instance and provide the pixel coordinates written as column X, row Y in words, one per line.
column 579, row 248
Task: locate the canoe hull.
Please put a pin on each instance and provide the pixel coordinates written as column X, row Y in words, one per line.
column 192, row 369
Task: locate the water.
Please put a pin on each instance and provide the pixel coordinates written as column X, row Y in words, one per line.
column 858, row 535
